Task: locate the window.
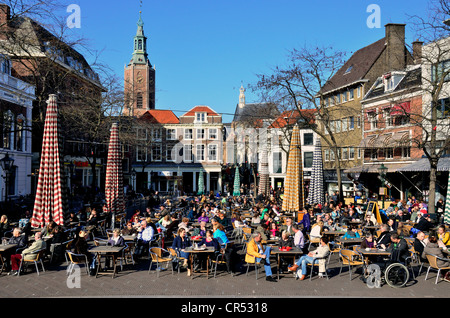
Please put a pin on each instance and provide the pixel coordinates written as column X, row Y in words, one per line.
column 188, row 133
column 440, row 69
column 351, row 122
column 277, row 162
column 351, row 153
column 7, row 129
column 201, row 133
column 308, row 139
column 389, row 153
column 200, row 117
column 212, row 152
column 344, row 97
column 212, row 133
column 358, row 122
column 388, row 117
column 400, row 120
column 327, row 155
column 345, row 124
column 140, row 45
column 171, row 134
column 351, row 94
column 156, row 153
column 200, row 152
column 308, row 159
column 374, row 154
column 170, row 153
column 141, row 134
column 344, row 153
column 406, row 152
column 156, row 134
column 141, row 153
column 358, row 91
column 338, row 126
column 139, row 101
column 443, row 108
column 5, row 65
column 187, row 153
column 349, row 69
column 19, row 133
column 373, row 120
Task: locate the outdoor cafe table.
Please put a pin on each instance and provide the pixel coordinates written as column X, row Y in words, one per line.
column 279, row 253
column 3, row 249
column 192, row 251
column 129, row 238
column 350, row 241
column 333, row 234
column 372, row 252
column 106, row 251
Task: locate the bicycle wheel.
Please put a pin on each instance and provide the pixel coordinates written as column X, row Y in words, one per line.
column 396, row 275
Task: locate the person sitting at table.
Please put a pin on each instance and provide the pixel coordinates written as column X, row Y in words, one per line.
column 256, row 252
column 316, row 230
column 299, row 239
column 210, row 241
column 180, row 243
column 264, row 230
column 58, row 237
column 203, row 217
column 20, row 240
column 392, row 224
column 4, row 225
column 443, row 236
column 321, row 252
column 433, row 248
column 351, row 233
column 256, row 219
column 116, row 239
column 129, row 229
column 288, row 226
column 419, row 244
column 330, row 225
column 424, row 224
column 384, row 239
column 219, row 233
column 144, row 237
column 368, row 242
column 136, row 218
column 164, row 222
column 223, row 220
column 367, row 221
column 398, row 248
column 28, row 253
column 48, row 230
column 185, row 224
column 273, row 229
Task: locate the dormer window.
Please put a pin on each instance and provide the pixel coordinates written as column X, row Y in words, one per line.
column 200, row 117
column 349, row 69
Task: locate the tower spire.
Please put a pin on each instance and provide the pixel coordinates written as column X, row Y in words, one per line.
column 140, row 55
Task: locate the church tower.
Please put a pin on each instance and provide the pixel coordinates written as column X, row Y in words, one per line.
column 139, row 77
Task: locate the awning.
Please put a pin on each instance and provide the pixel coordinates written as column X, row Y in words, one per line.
column 391, row 140
column 401, row 109
column 373, row 168
column 424, row 165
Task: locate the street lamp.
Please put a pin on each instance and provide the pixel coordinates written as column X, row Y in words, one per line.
column 382, row 170
column 133, row 179
column 7, row 164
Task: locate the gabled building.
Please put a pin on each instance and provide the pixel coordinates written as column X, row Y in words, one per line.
column 343, row 94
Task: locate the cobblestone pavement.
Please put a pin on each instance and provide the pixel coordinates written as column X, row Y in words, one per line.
column 137, row 282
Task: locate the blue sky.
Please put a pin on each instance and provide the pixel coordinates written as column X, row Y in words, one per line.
column 203, row 50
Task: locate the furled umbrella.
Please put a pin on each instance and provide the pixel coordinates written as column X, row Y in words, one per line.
column 447, row 203
column 264, row 175
column 51, row 196
column 293, row 198
column 114, row 193
column 201, row 183
column 316, row 193
column 237, row 183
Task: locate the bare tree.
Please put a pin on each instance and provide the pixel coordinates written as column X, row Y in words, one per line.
column 298, row 86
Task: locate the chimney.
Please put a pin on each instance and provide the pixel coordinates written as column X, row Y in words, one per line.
column 417, row 51
column 5, row 16
column 395, row 47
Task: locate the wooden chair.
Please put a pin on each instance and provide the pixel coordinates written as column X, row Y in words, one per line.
column 220, row 258
column 432, row 259
column 157, row 255
column 351, row 259
column 37, row 259
column 334, row 249
column 176, row 258
column 256, row 265
column 77, row 259
column 313, row 265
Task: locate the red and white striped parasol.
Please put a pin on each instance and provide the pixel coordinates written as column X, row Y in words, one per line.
column 51, row 201
column 115, row 202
